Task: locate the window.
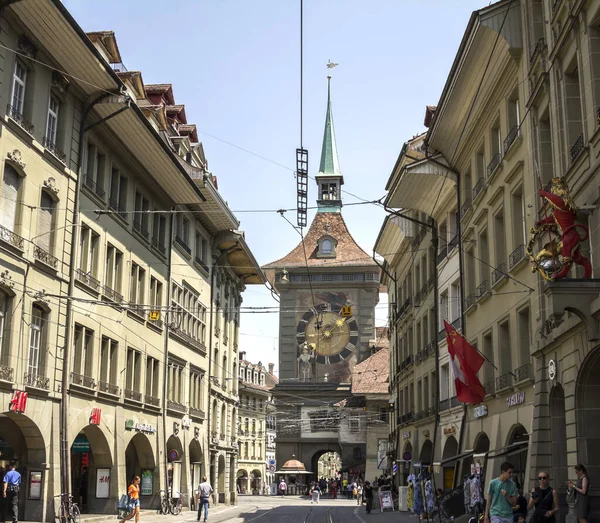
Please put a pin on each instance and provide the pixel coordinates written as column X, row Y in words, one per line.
column 193, row 313
column 141, row 216
column 95, row 170
column 246, row 450
column 495, row 146
column 326, row 246
column 573, row 110
column 196, row 385
column 84, row 353
column 152, row 379
column 545, row 148
column 455, row 301
column 11, row 183
column 201, row 250
column 259, row 456
column 524, row 334
column 137, row 285
column 514, row 118
column 113, row 275
column 484, row 261
column 109, row 361
column 4, row 325
column 445, row 382
column 18, row 89
column 45, row 232
column 518, row 218
column 504, row 348
column 329, row 191
column 133, row 382
column 354, row 424
column 488, row 354
column 182, row 234
column 443, row 236
column 175, row 383
column 159, row 229
column 88, row 254
column 426, row 394
column 443, row 308
column 156, row 300
column 52, row 122
column 37, row 335
column 118, row 193
column 500, row 243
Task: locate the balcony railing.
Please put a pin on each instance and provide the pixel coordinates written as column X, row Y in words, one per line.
column 138, row 226
column 133, row 395
column 108, row 388
column 118, row 208
column 498, row 274
column 188, row 339
column 490, row 388
column 537, row 50
column 454, row 402
column 453, row 243
column 577, row 148
column 483, row 289
column 494, row 162
column 197, row 413
column 466, row 206
column 51, row 146
column 83, row 380
column 511, row 137
column 112, row 294
column 93, row 186
column 11, row 238
column 14, row 113
column 516, row 256
column 45, row 257
column 442, row 254
column 151, row 400
column 479, row 186
column 444, row 404
column 180, row 241
column 159, row 246
column 87, row 278
column 503, row 382
column 6, row 373
column 177, row 407
column 523, row 373
column 470, row 300
column 37, row 382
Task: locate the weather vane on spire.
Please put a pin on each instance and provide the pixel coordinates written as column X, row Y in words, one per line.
column 331, row 65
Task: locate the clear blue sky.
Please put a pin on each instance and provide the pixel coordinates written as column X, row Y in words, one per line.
column 235, row 66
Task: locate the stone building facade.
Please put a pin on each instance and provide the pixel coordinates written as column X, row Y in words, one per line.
column 100, row 257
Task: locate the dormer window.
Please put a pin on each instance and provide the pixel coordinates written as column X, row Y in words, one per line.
column 327, row 246
column 330, row 191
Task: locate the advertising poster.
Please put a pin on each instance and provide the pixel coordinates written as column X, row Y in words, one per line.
column 103, row 483
column 147, row 478
column 35, row 484
column 386, row 501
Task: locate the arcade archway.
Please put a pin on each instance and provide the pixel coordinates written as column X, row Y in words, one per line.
column 242, row 481
column 176, row 471
column 426, row 451
column 91, row 458
column 408, row 450
column 558, row 436
column 21, row 441
column 325, row 463
column 196, row 463
column 587, row 405
column 450, row 450
column 139, row 461
column 221, row 478
column 518, row 435
column 481, row 445
column 256, row 481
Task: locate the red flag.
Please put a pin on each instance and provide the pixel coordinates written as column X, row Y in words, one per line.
column 465, row 362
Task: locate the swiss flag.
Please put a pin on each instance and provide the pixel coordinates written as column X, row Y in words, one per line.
column 465, row 362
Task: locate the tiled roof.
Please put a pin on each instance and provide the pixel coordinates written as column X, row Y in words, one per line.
column 175, row 108
column 348, row 253
column 158, row 88
column 382, row 340
column 371, row 376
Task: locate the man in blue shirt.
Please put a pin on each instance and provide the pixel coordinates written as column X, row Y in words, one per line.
column 10, row 491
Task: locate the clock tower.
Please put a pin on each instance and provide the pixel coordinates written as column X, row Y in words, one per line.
column 328, row 288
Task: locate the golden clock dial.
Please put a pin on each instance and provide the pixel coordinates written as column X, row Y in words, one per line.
column 332, row 336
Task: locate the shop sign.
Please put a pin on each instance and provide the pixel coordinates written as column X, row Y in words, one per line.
column 480, row 411
column 81, row 444
column 515, row 399
column 140, row 427
column 552, row 369
column 19, row 402
column 406, row 435
column 103, row 483
column 147, row 482
column 449, row 430
column 35, row 484
column 95, row 417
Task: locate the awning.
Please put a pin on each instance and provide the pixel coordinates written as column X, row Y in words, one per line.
column 458, row 457
column 509, row 450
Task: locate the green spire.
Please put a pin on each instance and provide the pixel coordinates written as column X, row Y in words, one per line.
column 330, row 165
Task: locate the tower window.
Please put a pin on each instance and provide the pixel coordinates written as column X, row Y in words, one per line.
column 329, row 191
column 327, row 246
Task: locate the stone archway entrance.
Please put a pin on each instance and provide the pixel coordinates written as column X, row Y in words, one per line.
column 518, row 434
column 176, row 470
column 587, row 404
column 406, row 463
column 256, row 481
column 242, row 481
column 196, row 465
column 221, row 478
column 91, row 470
column 21, row 441
column 481, row 445
column 558, row 436
column 139, row 461
column 450, row 450
column 425, row 454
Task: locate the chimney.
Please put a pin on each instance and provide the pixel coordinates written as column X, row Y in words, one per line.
column 271, row 368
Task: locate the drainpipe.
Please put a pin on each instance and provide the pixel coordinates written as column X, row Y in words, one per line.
column 166, row 349
column 65, row 456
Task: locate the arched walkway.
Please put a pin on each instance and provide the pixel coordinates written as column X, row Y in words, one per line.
column 518, row 434
column 91, row 457
column 558, row 436
column 406, row 463
column 139, row 461
column 221, row 478
column 450, row 450
column 587, row 405
column 242, row 481
column 256, row 481
column 314, row 463
column 425, row 454
column 196, row 463
column 22, row 441
column 481, row 445
column 176, row 472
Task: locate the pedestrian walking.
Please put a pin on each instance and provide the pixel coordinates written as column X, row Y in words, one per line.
column 582, row 500
column 204, row 490
column 501, row 496
column 133, row 500
column 545, row 500
column 335, row 489
column 10, row 485
column 315, row 494
column 368, row 496
column 359, row 491
column 282, row 487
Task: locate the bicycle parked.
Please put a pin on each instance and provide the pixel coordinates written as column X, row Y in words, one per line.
column 69, row 511
column 171, row 504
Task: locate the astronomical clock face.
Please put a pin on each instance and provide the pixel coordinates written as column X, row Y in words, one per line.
column 331, row 336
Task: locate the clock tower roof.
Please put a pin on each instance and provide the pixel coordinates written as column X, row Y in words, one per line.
column 345, row 252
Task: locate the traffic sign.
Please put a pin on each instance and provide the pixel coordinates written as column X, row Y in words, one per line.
column 271, row 462
column 347, row 311
column 407, row 456
column 272, row 468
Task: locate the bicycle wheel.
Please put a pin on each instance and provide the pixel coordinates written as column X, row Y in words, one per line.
column 164, row 506
column 176, row 507
column 74, row 514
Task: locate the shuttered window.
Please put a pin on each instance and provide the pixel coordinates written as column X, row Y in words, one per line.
column 10, row 194
column 45, row 220
column 35, row 340
column 3, row 308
